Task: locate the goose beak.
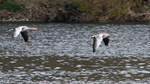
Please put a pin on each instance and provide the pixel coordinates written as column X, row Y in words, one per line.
column 35, row 29
column 31, row 28
column 116, row 34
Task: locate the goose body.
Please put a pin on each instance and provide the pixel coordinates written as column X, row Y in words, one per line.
column 23, row 30
column 98, row 38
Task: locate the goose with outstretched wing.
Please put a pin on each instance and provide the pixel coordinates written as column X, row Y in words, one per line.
column 23, row 30
column 98, row 38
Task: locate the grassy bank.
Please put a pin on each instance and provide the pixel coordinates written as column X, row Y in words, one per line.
column 76, row 10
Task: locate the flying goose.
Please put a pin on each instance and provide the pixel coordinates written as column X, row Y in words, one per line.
column 23, row 30
column 98, row 38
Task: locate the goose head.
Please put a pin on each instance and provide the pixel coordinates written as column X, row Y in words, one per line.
column 29, row 28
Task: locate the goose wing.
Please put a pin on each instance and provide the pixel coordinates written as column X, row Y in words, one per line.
column 24, row 34
column 17, row 32
column 106, row 41
column 96, row 43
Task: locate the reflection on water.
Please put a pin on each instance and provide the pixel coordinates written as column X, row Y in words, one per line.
column 54, row 68
column 62, row 53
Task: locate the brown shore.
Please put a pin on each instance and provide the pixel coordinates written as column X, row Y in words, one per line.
column 78, row 11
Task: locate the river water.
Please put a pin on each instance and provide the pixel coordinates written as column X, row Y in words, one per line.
column 61, row 53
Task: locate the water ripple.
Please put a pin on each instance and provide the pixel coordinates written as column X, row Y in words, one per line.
column 62, row 53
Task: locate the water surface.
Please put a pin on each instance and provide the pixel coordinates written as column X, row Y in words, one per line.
column 62, row 53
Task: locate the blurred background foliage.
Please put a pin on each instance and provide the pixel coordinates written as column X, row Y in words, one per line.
column 94, row 10
column 10, row 6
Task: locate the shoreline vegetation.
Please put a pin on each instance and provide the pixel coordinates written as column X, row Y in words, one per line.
column 78, row 11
